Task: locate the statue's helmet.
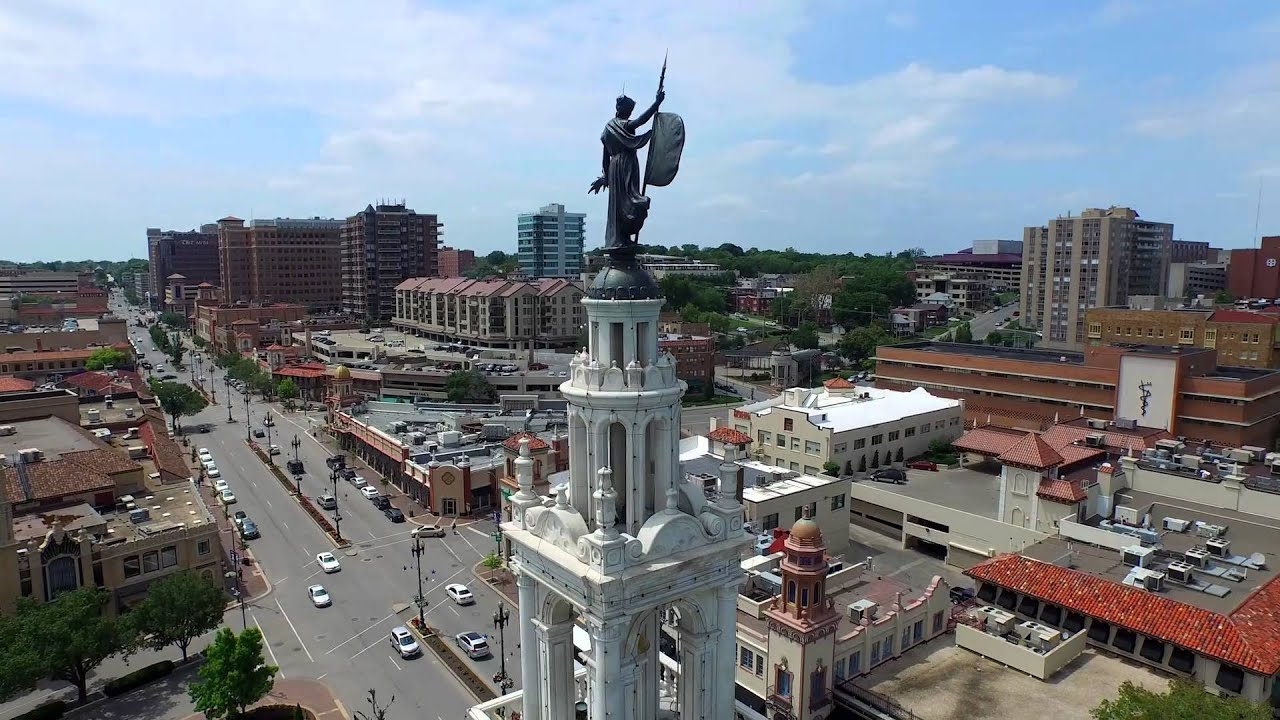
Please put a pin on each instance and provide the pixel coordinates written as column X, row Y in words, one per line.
column 625, row 103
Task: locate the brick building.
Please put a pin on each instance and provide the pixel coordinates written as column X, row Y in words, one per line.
column 218, row 324
column 695, row 360
column 285, row 260
column 1181, row 389
column 382, row 247
column 456, row 263
column 1255, row 273
column 1241, row 337
column 190, row 253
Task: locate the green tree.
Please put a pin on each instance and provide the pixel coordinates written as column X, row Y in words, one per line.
column 21, row 663
column 964, row 333
column 178, row 609
column 159, row 338
column 234, row 675
column 173, row 320
column 177, row 399
column 263, row 383
column 831, row 468
column 287, row 389
column 102, row 357
column 995, row 338
column 491, row 563
column 72, row 633
column 176, row 351
column 860, row 343
column 469, row 386
column 1224, row 298
column 805, row 337
column 1184, row 700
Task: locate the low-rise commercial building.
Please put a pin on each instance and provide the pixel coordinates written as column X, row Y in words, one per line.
column 1182, row 389
column 217, row 324
column 695, row 360
column 53, row 365
column 856, row 428
column 915, row 319
column 1241, row 337
column 491, row 313
column 1192, row 279
column 998, row 263
column 88, row 333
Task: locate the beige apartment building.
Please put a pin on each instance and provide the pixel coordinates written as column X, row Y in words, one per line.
column 491, row 313
column 968, row 290
column 1095, row 259
column 857, row 428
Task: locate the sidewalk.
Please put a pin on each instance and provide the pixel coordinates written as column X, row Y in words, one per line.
column 255, row 582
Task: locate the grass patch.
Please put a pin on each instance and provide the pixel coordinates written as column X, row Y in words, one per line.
column 934, row 332
column 714, row 400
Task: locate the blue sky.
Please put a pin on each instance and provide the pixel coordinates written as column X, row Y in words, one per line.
column 832, row 125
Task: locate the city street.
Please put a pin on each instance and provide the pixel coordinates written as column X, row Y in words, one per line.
column 346, row 645
column 982, row 325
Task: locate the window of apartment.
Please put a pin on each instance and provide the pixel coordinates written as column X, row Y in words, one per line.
column 1211, row 337
column 746, row 658
column 917, row 631
column 906, row 638
column 910, row 432
column 810, row 470
column 1254, row 338
column 150, row 561
column 893, row 435
column 887, row 650
column 1187, row 335
column 795, row 443
column 132, row 566
column 813, row 510
column 769, row 522
column 782, row 688
column 788, row 424
column 812, row 448
column 855, row 663
column 937, row 621
column 840, row 669
column 940, row 424
column 839, row 448
column 859, row 443
column 837, row 502
column 924, row 429
column 1095, row 330
column 764, row 436
column 782, row 440
column 875, row 652
column 168, row 556
column 876, row 440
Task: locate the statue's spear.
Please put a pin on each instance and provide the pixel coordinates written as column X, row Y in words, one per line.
column 662, row 79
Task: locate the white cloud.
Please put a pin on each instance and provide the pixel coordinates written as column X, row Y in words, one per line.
column 1239, row 107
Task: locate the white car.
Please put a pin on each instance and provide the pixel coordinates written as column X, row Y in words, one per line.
column 219, row 485
column 473, row 644
column 319, row 596
column 227, row 497
column 159, row 368
column 359, row 481
column 273, row 450
column 328, row 562
column 460, row 594
column 204, row 455
column 404, row 643
column 211, row 470
column 369, row 492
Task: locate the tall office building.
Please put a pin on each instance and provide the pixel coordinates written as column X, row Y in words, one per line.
column 549, row 242
column 192, row 254
column 381, row 247
column 1096, row 259
column 286, row 260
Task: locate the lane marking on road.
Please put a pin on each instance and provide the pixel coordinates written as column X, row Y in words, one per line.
column 277, row 582
column 353, row 637
column 451, row 552
column 266, row 642
column 285, row 524
column 322, row 676
column 268, row 503
column 295, row 630
column 455, row 611
column 468, row 542
column 393, row 662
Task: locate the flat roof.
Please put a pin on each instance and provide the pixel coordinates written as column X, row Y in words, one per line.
column 1044, row 355
column 117, row 413
column 53, row 436
column 839, row 412
column 963, row 489
column 1248, row 534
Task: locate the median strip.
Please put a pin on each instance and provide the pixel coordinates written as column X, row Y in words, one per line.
column 320, row 518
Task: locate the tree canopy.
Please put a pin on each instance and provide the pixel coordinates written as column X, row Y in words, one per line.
column 287, row 389
column 104, row 357
column 1184, row 700
column 64, row 639
column 178, row 399
column 178, row 609
column 469, row 386
column 234, row 675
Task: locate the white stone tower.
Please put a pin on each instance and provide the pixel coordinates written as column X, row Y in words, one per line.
column 627, row 542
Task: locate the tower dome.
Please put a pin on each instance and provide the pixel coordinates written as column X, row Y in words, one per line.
column 342, row 373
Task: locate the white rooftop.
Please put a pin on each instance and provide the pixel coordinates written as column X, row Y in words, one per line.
column 791, row 483
column 863, row 408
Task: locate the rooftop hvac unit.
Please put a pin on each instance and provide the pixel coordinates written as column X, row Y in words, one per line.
column 128, row 412
column 1176, row 525
column 1255, row 453
column 1097, row 424
column 449, row 438
column 1180, row 572
column 1153, row 581
column 1163, row 454
column 7, row 430
column 1218, row 547
column 94, row 415
column 1189, row 461
column 1197, row 557
column 1137, row 556
column 866, row 609
column 1128, row 515
column 1206, row 530
column 1171, row 446
column 1126, row 423
column 131, row 433
column 1095, row 440
column 417, row 438
column 999, row 622
column 1275, row 468
column 1240, row 455
column 30, row 455
column 139, row 515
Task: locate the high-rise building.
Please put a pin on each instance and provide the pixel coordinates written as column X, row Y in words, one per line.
column 381, row 247
column 285, row 260
column 456, row 263
column 192, row 254
column 1255, row 272
column 549, row 242
column 1098, row 258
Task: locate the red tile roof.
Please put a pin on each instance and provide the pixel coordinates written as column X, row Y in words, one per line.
column 1060, row 436
column 535, row 442
column 838, row 384
column 1031, row 452
column 729, row 436
column 98, row 382
column 990, row 440
column 299, row 372
column 1242, row 316
column 276, row 347
column 165, row 453
column 1064, row 491
column 1249, row 637
column 9, row 383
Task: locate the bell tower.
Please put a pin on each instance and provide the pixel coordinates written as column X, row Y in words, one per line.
column 627, row 544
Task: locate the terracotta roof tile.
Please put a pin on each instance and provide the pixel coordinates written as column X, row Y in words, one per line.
column 729, row 436
column 9, row 383
column 838, row 384
column 991, row 440
column 102, row 460
column 535, row 442
column 1031, row 452
column 1065, row 491
column 53, row 479
column 1249, row 637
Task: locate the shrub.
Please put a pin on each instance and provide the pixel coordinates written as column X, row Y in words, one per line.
column 137, row 678
column 49, row 711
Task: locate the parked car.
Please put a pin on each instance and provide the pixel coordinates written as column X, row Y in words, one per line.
column 382, row 502
column 227, row 497
column 295, row 467
column 259, row 432
column 240, row 517
column 961, row 594
column 889, row 475
column 404, row 643
column 393, row 514
column 168, row 378
column 923, row 465
column 204, row 455
column 327, row 501
column 328, row 562
column 460, row 594
column 249, row 530
column 273, row 450
column 358, row 481
column 219, row 485
column 369, row 492
column 319, row 596
column 211, row 470
column 473, row 644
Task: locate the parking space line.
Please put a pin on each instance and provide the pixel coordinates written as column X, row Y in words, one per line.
column 295, row 630
column 393, row 662
column 353, row 637
column 274, row 661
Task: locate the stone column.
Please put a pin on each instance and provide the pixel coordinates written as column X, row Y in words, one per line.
column 697, row 675
column 725, row 660
column 529, row 646
column 607, row 699
column 555, row 660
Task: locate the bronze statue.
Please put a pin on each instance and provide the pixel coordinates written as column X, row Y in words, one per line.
column 628, row 205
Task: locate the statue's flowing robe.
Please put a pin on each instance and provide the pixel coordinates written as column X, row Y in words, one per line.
column 627, row 207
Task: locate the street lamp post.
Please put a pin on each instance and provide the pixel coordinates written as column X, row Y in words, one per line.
column 226, row 382
column 421, row 599
column 296, row 444
column 501, row 617
column 267, row 424
column 297, row 480
column 337, row 516
column 248, row 422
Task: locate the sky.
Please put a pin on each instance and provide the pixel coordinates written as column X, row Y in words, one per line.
column 822, row 125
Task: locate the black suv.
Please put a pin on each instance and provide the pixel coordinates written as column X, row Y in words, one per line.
column 382, row 502
column 393, row 514
column 889, row 475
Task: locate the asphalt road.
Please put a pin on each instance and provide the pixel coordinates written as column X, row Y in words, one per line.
column 982, row 325
column 347, row 644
